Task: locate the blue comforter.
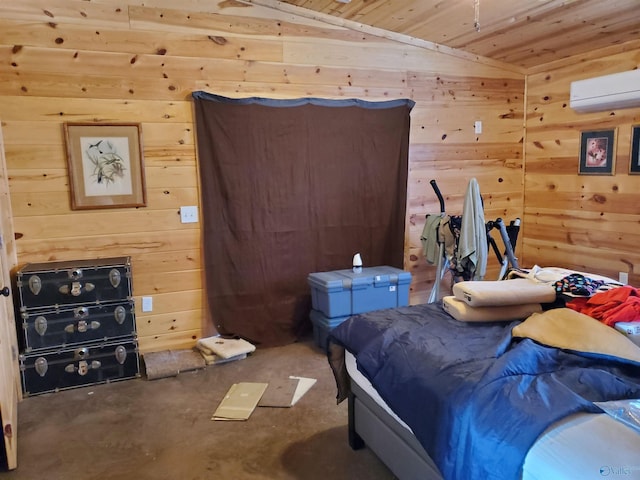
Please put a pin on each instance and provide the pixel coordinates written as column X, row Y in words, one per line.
column 476, row 398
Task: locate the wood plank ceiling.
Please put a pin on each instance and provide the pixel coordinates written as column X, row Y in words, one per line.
column 524, row 33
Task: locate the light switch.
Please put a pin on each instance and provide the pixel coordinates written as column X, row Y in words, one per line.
column 478, row 127
column 147, row 304
column 189, row 214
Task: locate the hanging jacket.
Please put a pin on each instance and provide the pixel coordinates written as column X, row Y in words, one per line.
column 473, row 247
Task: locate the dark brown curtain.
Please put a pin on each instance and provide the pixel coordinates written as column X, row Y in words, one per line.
column 291, row 187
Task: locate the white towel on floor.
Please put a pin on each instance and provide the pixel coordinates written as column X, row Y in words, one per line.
column 225, row 347
column 211, row 359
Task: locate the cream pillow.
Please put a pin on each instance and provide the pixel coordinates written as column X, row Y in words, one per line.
column 466, row 313
column 494, row 293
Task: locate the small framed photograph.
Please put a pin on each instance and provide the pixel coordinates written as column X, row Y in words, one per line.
column 634, row 165
column 106, row 166
column 597, row 152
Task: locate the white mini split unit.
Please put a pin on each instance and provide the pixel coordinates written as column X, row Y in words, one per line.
column 620, row 90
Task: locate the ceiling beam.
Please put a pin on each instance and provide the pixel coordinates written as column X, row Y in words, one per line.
column 379, row 32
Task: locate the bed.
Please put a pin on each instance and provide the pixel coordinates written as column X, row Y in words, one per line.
column 437, row 398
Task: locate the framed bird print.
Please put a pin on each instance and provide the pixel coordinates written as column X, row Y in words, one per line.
column 634, row 166
column 106, row 165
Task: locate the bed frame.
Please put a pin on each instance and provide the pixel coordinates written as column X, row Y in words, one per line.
column 371, row 426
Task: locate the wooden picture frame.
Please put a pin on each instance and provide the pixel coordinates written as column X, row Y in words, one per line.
column 106, row 165
column 634, row 163
column 597, row 152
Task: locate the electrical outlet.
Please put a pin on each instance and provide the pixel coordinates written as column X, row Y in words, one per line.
column 147, row 304
column 189, row 214
column 623, row 277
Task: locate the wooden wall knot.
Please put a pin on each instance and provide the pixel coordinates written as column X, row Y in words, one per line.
column 218, row 40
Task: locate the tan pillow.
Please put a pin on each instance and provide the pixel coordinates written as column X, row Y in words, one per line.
column 570, row 330
column 492, row 293
column 466, row 313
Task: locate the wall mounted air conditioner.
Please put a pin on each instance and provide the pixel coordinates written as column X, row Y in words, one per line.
column 620, row 90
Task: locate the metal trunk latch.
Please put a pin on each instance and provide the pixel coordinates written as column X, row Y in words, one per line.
column 83, row 367
column 82, row 326
column 75, row 288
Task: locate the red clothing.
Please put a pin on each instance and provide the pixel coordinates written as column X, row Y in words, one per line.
column 629, row 311
column 616, row 305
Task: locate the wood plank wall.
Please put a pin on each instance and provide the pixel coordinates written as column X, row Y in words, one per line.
column 589, row 223
column 139, row 61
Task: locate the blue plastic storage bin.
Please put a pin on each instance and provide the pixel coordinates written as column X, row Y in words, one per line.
column 322, row 325
column 343, row 292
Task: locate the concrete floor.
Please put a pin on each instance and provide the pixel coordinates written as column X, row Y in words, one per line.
column 161, row 429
